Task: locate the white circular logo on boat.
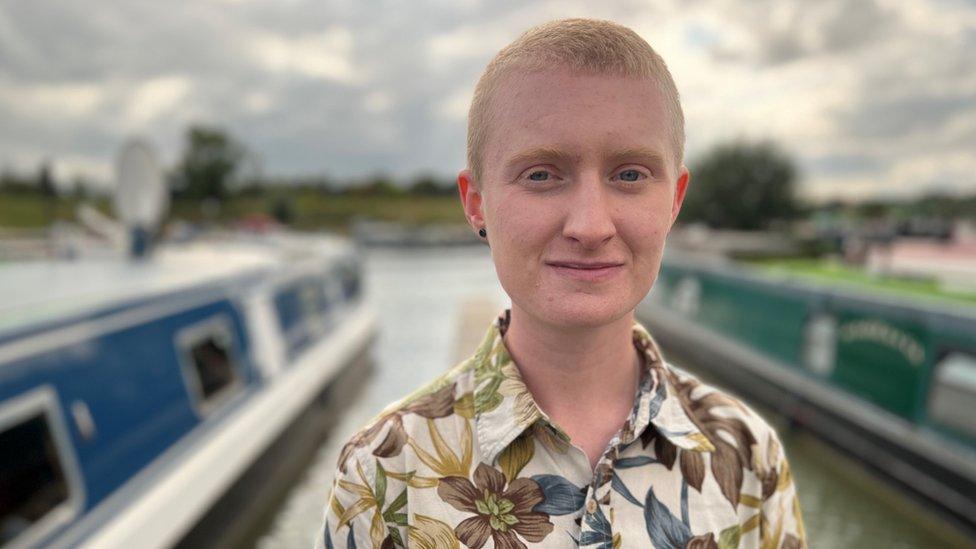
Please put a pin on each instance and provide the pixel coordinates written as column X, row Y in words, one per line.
column 820, row 344
column 687, row 296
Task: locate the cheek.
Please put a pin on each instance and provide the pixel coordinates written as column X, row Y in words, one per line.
column 522, row 226
column 645, row 235
column 519, row 234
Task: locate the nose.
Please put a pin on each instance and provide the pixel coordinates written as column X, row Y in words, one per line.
column 589, row 221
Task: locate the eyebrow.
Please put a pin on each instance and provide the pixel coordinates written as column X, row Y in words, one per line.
column 540, row 153
column 650, row 156
column 655, row 158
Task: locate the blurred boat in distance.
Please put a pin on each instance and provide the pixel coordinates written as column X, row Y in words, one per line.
column 155, row 397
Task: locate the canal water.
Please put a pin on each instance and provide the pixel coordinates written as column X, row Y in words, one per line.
column 423, row 297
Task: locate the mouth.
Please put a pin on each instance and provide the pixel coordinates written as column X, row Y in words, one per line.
column 595, row 271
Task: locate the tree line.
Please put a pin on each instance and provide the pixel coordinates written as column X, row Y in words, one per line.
column 738, row 185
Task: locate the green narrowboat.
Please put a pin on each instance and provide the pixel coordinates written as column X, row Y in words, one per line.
column 888, row 380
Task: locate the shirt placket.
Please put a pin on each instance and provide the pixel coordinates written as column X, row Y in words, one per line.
column 596, row 526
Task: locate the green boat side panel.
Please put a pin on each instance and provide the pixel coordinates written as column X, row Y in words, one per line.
column 882, row 359
column 884, row 353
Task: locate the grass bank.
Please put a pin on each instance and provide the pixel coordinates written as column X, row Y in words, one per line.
column 306, row 210
column 833, row 272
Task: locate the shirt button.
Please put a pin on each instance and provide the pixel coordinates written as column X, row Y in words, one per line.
column 591, row 506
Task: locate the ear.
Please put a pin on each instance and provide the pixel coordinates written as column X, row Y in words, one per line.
column 471, row 199
column 680, row 187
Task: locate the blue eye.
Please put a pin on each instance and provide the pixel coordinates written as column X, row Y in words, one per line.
column 539, row 175
column 630, row 175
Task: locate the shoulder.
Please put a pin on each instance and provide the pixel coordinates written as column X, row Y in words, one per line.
column 729, row 423
column 386, row 434
column 748, row 462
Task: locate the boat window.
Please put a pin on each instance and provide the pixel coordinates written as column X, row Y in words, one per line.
column 34, row 489
column 209, row 357
column 953, row 394
column 351, row 284
column 314, row 300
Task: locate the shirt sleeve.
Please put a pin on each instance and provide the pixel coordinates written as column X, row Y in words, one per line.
column 351, row 519
column 782, row 519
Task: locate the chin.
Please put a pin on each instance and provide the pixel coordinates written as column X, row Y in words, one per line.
column 588, row 311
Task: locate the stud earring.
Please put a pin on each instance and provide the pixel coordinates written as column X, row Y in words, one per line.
column 482, row 233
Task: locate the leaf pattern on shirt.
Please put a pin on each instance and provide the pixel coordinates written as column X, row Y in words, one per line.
column 435, row 401
column 561, row 497
column 728, row 461
column 471, row 461
column 600, row 534
column 443, row 461
column 664, row 529
column 516, row 456
column 430, row 533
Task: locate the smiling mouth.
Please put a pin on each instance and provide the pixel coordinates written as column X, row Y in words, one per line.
column 586, row 271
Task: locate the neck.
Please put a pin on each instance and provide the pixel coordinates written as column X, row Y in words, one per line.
column 575, row 369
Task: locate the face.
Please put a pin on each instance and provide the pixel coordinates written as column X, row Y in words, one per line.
column 578, row 193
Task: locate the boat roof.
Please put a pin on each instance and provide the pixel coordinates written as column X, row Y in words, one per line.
column 43, row 291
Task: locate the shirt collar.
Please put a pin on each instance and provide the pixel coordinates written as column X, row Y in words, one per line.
column 504, row 408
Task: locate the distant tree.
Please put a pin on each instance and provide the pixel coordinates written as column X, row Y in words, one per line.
column 253, row 189
column 79, row 187
column 874, row 209
column 379, row 185
column 15, row 183
column 743, row 186
column 283, row 210
column 45, row 181
column 211, row 160
column 428, row 185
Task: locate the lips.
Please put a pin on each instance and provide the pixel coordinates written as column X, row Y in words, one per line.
column 585, row 265
column 589, row 271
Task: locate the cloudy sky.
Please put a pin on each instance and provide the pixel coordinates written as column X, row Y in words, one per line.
column 872, row 97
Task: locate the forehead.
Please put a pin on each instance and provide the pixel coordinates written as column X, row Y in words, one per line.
column 581, row 115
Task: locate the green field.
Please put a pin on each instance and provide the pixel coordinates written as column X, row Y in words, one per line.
column 308, row 210
column 833, row 272
column 33, row 211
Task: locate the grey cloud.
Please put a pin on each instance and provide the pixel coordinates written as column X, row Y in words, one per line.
column 854, row 23
column 79, row 41
column 806, row 29
column 914, row 94
column 879, row 116
column 842, row 164
column 307, row 123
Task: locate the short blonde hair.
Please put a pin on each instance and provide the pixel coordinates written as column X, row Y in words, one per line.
column 581, row 45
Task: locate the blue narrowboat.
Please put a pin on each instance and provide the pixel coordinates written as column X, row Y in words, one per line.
column 137, row 396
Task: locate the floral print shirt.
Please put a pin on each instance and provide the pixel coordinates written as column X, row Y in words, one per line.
column 471, row 461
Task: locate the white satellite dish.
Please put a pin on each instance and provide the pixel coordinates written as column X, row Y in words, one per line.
column 141, row 197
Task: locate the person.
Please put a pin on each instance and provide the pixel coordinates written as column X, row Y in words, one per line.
column 567, row 427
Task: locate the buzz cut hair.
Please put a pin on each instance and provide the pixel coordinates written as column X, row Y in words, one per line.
column 585, row 46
